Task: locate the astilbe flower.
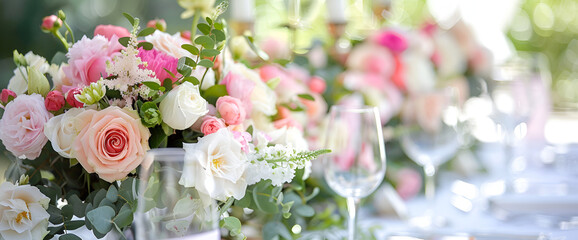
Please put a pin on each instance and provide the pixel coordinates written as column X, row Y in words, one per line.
column 157, row 62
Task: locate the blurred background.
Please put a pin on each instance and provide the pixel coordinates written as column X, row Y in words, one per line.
column 546, row 27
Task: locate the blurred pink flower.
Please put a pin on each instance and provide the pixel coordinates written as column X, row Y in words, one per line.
column 317, row 84
column 22, row 126
column 240, row 88
column 111, row 30
column 373, row 59
column 157, row 62
column 243, row 138
column 408, row 183
column 87, row 59
column 393, row 40
column 276, row 48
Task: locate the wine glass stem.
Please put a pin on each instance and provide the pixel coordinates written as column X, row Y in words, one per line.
column 430, row 186
column 352, row 209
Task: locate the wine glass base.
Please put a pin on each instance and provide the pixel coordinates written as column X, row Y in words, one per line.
column 428, row 222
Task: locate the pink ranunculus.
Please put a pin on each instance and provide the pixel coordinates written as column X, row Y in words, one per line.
column 6, row 95
column 71, row 100
column 110, row 30
column 243, row 138
column 87, row 59
column 22, row 126
column 51, row 22
column 241, row 88
column 393, row 40
column 212, row 124
column 408, row 183
column 158, row 61
column 231, row 110
column 112, row 142
column 54, row 101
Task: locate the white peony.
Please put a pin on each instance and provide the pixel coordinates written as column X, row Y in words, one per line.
column 215, row 166
column 183, row 106
column 61, row 131
column 169, row 44
column 23, row 212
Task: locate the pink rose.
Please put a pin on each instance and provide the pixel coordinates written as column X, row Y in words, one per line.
column 71, row 100
column 54, row 101
column 231, row 110
column 211, row 124
column 50, row 23
column 87, row 59
column 111, row 30
column 393, row 40
column 112, row 142
column 7, row 95
column 22, row 126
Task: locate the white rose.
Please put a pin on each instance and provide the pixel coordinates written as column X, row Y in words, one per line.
column 290, row 136
column 61, row 131
column 263, row 98
column 215, row 166
column 23, row 212
column 169, row 44
column 183, row 106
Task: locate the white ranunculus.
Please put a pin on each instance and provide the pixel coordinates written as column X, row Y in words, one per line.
column 169, row 44
column 263, row 98
column 183, row 106
column 216, row 166
column 23, row 213
column 18, row 83
column 61, row 131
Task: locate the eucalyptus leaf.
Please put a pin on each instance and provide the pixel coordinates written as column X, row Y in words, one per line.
column 74, row 224
column 69, row 236
column 232, row 224
column 274, row 229
column 124, row 217
column 101, row 218
column 112, row 193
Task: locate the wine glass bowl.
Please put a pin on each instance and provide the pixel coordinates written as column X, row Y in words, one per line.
column 356, row 165
column 430, row 138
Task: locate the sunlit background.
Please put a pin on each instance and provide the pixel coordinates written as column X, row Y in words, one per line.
column 547, row 27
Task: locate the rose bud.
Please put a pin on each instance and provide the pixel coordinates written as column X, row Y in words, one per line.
column 54, row 101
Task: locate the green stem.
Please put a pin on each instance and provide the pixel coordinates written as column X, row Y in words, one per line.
column 69, row 30
column 195, row 22
column 61, row 38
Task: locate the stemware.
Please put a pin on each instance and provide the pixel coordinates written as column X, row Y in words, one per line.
column 168, row 210
column 430, row 138
column 356, row 165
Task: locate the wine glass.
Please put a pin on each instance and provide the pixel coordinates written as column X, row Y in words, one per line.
column 168, row 210
column 356, row 165
column 430, row 138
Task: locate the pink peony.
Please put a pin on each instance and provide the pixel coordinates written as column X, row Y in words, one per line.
column 22, row 126
column 108, row 31
column 112, row 142
column 6, row 95
column 231, row 110
column 50, row 23
column 158, row 61
column 71, row 100
column 211, row 124
column 393, row 40
column 241, row 88
column 87, row 59
column 54, row 101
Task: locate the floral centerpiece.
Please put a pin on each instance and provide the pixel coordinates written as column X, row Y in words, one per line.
column 80, row 137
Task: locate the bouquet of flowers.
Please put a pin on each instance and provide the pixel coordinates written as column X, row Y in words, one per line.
column 80, row 137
